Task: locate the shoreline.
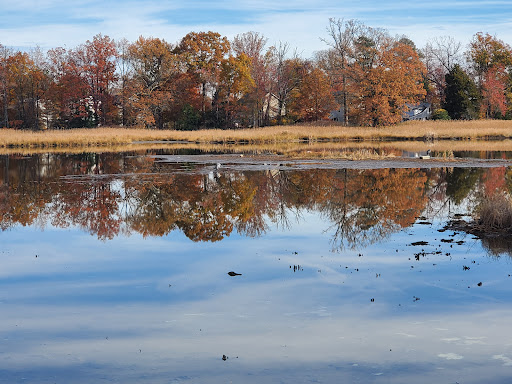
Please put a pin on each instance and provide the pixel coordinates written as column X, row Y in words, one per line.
column 297, row 140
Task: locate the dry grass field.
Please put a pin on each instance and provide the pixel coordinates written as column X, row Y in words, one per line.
column 302, row 140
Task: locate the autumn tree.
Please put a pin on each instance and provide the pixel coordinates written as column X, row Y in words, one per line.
column 203, row 53
column 389, row 76
column 68, row 95
column 313, row 99
column 235, row 81
column 98, row 65
column 26, row 86
column 495, row 89
column 252, row 44
column 491, row 60
column 375, row 75
column 487, row 51
column 154, row 67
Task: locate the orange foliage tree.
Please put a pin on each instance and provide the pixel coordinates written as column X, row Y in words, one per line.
column 390, row 77
column 376, row 75
column 68, row 91
column 313, row 99
column 492, row 61
column 154, row 68
column 234, row 82
column 98, row 60
column 252, row 44
column 203, row 53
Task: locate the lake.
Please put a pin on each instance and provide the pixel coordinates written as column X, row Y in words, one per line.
column 115, row 267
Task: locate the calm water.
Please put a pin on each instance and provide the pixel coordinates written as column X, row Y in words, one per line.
column 114, row 268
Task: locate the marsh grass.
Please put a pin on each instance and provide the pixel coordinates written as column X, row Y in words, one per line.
column 494, row 214
column 345, row 149
column 491, row 222
column 326, row 138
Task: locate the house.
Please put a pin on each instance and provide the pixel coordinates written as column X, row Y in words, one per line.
column 421, row 111
column 338, row 115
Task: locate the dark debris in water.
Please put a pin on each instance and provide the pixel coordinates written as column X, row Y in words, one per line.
column 231, row 273
column 416, row 243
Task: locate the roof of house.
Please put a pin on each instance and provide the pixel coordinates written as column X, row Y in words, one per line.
column 418, row 111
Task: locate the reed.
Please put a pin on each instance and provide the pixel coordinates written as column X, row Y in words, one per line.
column 331, row 149
column 426, row 133
column 494, row 214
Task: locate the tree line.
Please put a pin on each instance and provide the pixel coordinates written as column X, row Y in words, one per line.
column 207, row 81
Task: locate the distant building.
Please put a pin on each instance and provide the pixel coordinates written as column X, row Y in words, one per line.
column 421, row 111
column 338, row 115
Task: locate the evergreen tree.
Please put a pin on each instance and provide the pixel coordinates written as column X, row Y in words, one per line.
column 461, row 95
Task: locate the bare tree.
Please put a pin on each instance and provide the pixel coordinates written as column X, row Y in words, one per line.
column 285, row 77
column 342, row 35
column 125, row 73
column 440, row 55
column 4, row 55
column 444, row 51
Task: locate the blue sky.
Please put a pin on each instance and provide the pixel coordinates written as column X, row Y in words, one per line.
column 301, row 23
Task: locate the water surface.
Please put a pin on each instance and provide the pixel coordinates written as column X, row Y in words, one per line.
column 115, row 269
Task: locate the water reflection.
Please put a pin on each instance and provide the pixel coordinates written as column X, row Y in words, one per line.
column 412, row 302
column 111, row 194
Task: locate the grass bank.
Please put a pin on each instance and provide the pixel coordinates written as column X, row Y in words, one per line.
column 329, row 135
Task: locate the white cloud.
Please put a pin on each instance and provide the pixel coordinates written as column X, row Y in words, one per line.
column 450, row 356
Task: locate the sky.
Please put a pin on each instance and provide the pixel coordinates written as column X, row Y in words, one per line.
column 300, row 23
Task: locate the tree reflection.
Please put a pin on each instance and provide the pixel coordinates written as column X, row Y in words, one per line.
column 108, row 194
column 491, row 211
column 461, row 181
column 366, row 206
